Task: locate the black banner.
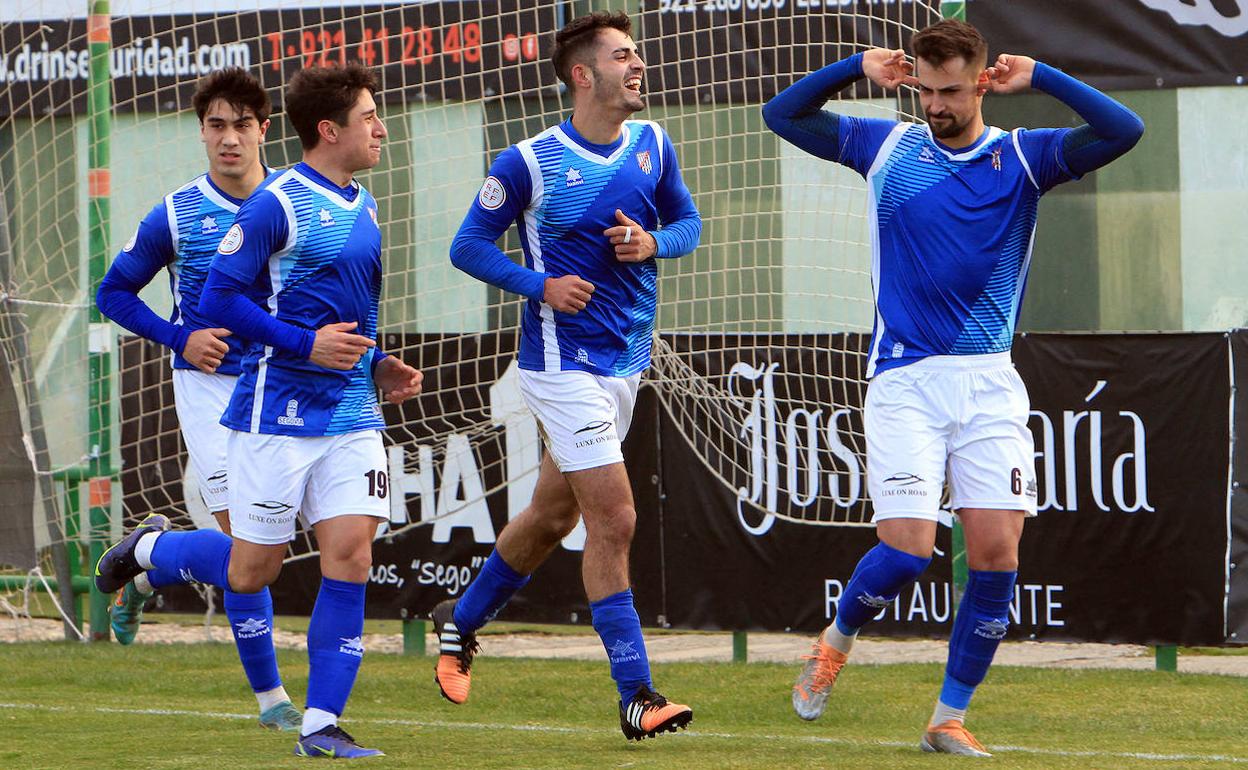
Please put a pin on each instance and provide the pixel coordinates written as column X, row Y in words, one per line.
column 717, row 51
column 436, row 50
column 1132, row 458
column 1123, row 44
column 1237, row 598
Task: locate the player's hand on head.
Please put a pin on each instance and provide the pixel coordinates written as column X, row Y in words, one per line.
column 398, row 381
column 335, row 347
column 1010, row 74
column 206, row 348
column 631, row 241
column 567, row 293
column 888, row 68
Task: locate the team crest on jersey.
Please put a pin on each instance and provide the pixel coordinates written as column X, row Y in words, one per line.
column 327, row 218
column 133, row 240
column 492, row 194
column 233, row 240
column 372, row 212
column 574, row 177
column 996, row 159
column 208, row 226
column 643, row 160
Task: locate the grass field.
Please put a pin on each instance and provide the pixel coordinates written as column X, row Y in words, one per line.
column 185, row 706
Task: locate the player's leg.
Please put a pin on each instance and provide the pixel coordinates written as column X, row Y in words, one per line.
column 344, row 511
column 992, row 482
column 905, row 477
column 522, row 546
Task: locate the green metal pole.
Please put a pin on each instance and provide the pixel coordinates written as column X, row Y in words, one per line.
column 955, row 9
column 1166, row 657
column 413, row 636
column 740, row 647
column 958, row 557
column 79, row 583
column 99, row 182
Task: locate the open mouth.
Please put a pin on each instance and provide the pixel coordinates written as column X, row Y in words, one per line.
column 633, row 84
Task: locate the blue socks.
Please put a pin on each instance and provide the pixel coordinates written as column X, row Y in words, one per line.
column 979, row 628
column 335, row 649
column 487, row 594
column 615, row 619
column 159, row 578
column 878, row 578
column 202, row 556
column 251, row 620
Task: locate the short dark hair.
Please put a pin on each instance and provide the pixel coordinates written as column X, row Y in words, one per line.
column 579, row 36
column 325, row 93
column 237, row 87
column 950, row 39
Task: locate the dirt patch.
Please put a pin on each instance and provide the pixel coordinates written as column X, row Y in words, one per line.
column 783, row 648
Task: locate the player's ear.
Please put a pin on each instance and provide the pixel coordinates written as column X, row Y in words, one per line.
column 328, row 130
column 264, row 128
column 582, row 76
column 983, row 84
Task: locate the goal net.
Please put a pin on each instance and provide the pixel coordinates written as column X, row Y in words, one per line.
column 758, row 355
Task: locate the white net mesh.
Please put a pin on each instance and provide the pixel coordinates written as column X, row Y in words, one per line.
column 785, row 247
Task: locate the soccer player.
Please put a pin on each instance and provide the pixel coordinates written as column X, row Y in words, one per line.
column 181, row 234
column 588, row 197
column 953, row 211
column 304, row 418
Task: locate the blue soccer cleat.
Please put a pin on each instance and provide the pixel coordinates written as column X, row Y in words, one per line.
column 118, row 566
column 284, row 717
column 126, row 612
column 332, row 742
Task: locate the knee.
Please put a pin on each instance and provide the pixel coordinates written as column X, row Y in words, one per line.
column 252, row 580
column 615, row 525
column 1001, row 557
column 352, row 565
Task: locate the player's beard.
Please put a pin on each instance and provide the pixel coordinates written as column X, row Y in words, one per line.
column 632, row 101
column 948, row 127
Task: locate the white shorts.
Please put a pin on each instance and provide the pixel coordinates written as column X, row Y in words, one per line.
column 958, row 417
column 583, row 417
column 200, row 400
column 273, row 479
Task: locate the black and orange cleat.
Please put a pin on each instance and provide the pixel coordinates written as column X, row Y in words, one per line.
column 649, row 714
column 118, row 566
column 453, row 671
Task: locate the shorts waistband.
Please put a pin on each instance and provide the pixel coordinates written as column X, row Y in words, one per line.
column 977, row 363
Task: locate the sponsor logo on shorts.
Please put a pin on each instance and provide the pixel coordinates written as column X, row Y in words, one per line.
column 1031, row 488
column 598, row 426
column 217, row 483
column 292, row 414
column 271, row 512
column 582, row 356
column 251, row 628
column 991, row 629
column 622, row 652
column 596, row 432
column 904, row 485
column 352, row 645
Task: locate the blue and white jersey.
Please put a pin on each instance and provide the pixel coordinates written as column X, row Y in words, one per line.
column 181, row 234
column 562, row 192
column 951, row 233
column 313, row 252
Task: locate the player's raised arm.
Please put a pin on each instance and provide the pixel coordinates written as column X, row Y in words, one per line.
column 502, row 197
column 797, row 113
column 1111, row 129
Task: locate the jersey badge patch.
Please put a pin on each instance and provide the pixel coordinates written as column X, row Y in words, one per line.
column 926, row 155
column 133, row 240
column 643, row 160
column 492, row 194
column 233, row 240
column 574, row 177
column 327, row 218
column 208, row 226
column 996, row 159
